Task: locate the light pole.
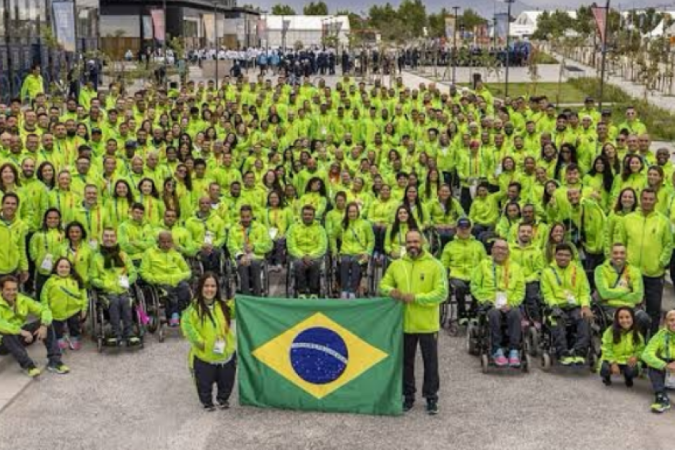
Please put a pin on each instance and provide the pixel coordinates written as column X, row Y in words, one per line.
column 454, row 46
column 508, row 45
column 215, row 36
column 166, row 66
column 604, row 55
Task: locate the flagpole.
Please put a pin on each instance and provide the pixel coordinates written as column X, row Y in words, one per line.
column 604, row 56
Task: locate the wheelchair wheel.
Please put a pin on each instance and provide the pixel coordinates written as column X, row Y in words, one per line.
column 140, row 313
column 546, row 362
column 443, row 313
column 153, row 308
column 93, row 315
column 525, row 362
column 532, row 340
column 472, row 337
column 485, row 363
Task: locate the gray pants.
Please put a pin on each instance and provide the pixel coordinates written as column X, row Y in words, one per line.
column 15, row 345
column 249, row 277
column 559, row 325
column 120, row 308
column 350, row 273
column 177, row 298
column 307, row 276
column 496, row 319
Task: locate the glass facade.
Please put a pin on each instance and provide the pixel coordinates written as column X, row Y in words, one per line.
column 23, row 25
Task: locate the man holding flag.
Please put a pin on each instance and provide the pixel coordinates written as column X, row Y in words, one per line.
column 419, row 281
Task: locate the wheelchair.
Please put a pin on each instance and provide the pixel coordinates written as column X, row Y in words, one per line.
column 324, row 279
column 367, row 282
column 479, row 343
column 154, row 298
column 548, row 353
column 99, row 318
column 449, row 312
column 233, row 282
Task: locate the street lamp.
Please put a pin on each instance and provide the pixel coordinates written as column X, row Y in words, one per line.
column 454, row 46
column 215, row 31
column 508, row 44
column 166, row 66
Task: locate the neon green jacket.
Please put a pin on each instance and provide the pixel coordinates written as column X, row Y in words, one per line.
column 32, row 86
column 382, row 211
column 660, row 349
column 164, row 267
column 424, row 277
column 648, row 241
column 593, row 224
column 45, row 243
column 489, row 278
column 438, row 214
column 620, row 353
column 64, row 297
column 198, row 228
column 304, row 240
column 256, row 234
column 13, row 318
column 182, row 239
column 357, row 239
column 619, row 289
column 80, row 258
column 279, row 218
column 557, row 283
column 461, row 256
column 108, row 280
column 206, row 331
column 133, row 239
column 484, row 211
column 13, row 255
column 530, row 259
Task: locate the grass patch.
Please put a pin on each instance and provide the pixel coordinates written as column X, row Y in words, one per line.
column 659, row 121
column 545, row 58
column 568, row 93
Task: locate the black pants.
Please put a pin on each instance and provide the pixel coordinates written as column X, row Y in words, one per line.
column 653, row 300
column 211, row 261
column 177, row 298
column 533, row 301
column 658, row 379
column 307, row 277
column 465, row 199
column 207, row 374
column 380, row 233
column 120, row 308
column 73, row 324
column 40, row 281
column 429, row 345
column 279, row 251
column 573, row 318
column 462, row 290
column 15, row 345
column 350, row 273
column 592, row 261
column 628, row 372
column 496, row 319
column 249, row 276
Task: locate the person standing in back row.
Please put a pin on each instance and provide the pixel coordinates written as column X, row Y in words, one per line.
column 419, row 281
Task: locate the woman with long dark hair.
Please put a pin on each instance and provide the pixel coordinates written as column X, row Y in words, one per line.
column 206, row 326
column 622, row 347
column 394, row 242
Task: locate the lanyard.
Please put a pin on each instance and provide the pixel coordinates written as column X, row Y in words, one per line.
column 574, row 276
column 618, row 277
column 246, row 232
column 98, row 220
column 506, row 276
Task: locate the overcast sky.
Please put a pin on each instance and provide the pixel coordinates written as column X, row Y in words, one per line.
column 487, row 7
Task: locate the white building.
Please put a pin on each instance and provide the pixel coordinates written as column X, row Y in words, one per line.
column 278, row 31
column 526, row 23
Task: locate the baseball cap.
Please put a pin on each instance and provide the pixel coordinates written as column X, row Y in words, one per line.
column 464, row 223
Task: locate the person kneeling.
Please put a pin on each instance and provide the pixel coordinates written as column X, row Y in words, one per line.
column 16, row 331
column 660, row 358
column 498, row 284
column 622, row 345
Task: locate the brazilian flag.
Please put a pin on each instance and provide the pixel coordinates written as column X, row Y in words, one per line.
column 321, row 355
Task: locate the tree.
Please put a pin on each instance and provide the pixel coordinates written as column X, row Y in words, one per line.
column 282, row 10
column 437, row 23
column 315, row 9
column 413, row 14
column 470, row 19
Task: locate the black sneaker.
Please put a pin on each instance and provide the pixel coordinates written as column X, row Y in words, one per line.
column 224, row 404
column 629, row 382
column 661, row 403
column 407, row 405
column 209, row 408
column 607, row 381
column 432, row 407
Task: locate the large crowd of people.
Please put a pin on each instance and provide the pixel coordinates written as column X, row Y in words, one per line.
column 520, row 211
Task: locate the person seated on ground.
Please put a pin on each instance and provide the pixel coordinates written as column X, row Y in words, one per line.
column 65, row 296
column 307, row 245
column 530, row 258
column 460, row 257
column 622, row 346
column 206, row 326
column 112, row 272
column 357, row 244
column 566, row 292
column 248, row 242
column 499, row 286
column 619, row 283
column 207, row 230
column 16, row 331
column 659, row 356
column 166, row 269
column 134, row 240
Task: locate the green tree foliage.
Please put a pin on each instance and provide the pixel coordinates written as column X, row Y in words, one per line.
column 553, row 25
column 413, row 13
column 315, row 9
column 282, row 10
column 437, row 23
column 470, row 19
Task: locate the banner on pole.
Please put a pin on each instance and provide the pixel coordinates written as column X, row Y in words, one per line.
column 158, row 24
column 64, row 24
column 450, row 27
column 501, row 26
column 210, row 27
column 147, row 27
column 600, row 15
